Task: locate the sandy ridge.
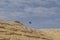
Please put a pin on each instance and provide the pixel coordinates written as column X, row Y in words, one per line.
column 14, row 30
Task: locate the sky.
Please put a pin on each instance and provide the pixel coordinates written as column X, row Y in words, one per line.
column 42, row 13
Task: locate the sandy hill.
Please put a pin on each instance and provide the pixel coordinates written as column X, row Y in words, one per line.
column 14, row 30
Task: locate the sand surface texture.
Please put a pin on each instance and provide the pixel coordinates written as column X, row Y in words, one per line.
column 14, row 30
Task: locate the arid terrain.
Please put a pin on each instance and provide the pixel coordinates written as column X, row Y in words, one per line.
column 14, row 30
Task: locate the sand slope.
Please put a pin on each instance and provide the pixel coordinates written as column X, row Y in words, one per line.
column 54, row 33
column 14, row 30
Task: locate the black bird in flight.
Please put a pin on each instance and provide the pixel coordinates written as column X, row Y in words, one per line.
column 29, row 22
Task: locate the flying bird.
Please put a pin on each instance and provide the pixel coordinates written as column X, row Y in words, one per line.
column 30, row 22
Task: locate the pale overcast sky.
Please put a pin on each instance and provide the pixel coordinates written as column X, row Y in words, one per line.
column 42, row 13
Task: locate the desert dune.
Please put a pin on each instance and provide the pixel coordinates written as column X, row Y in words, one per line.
column 15, row 30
